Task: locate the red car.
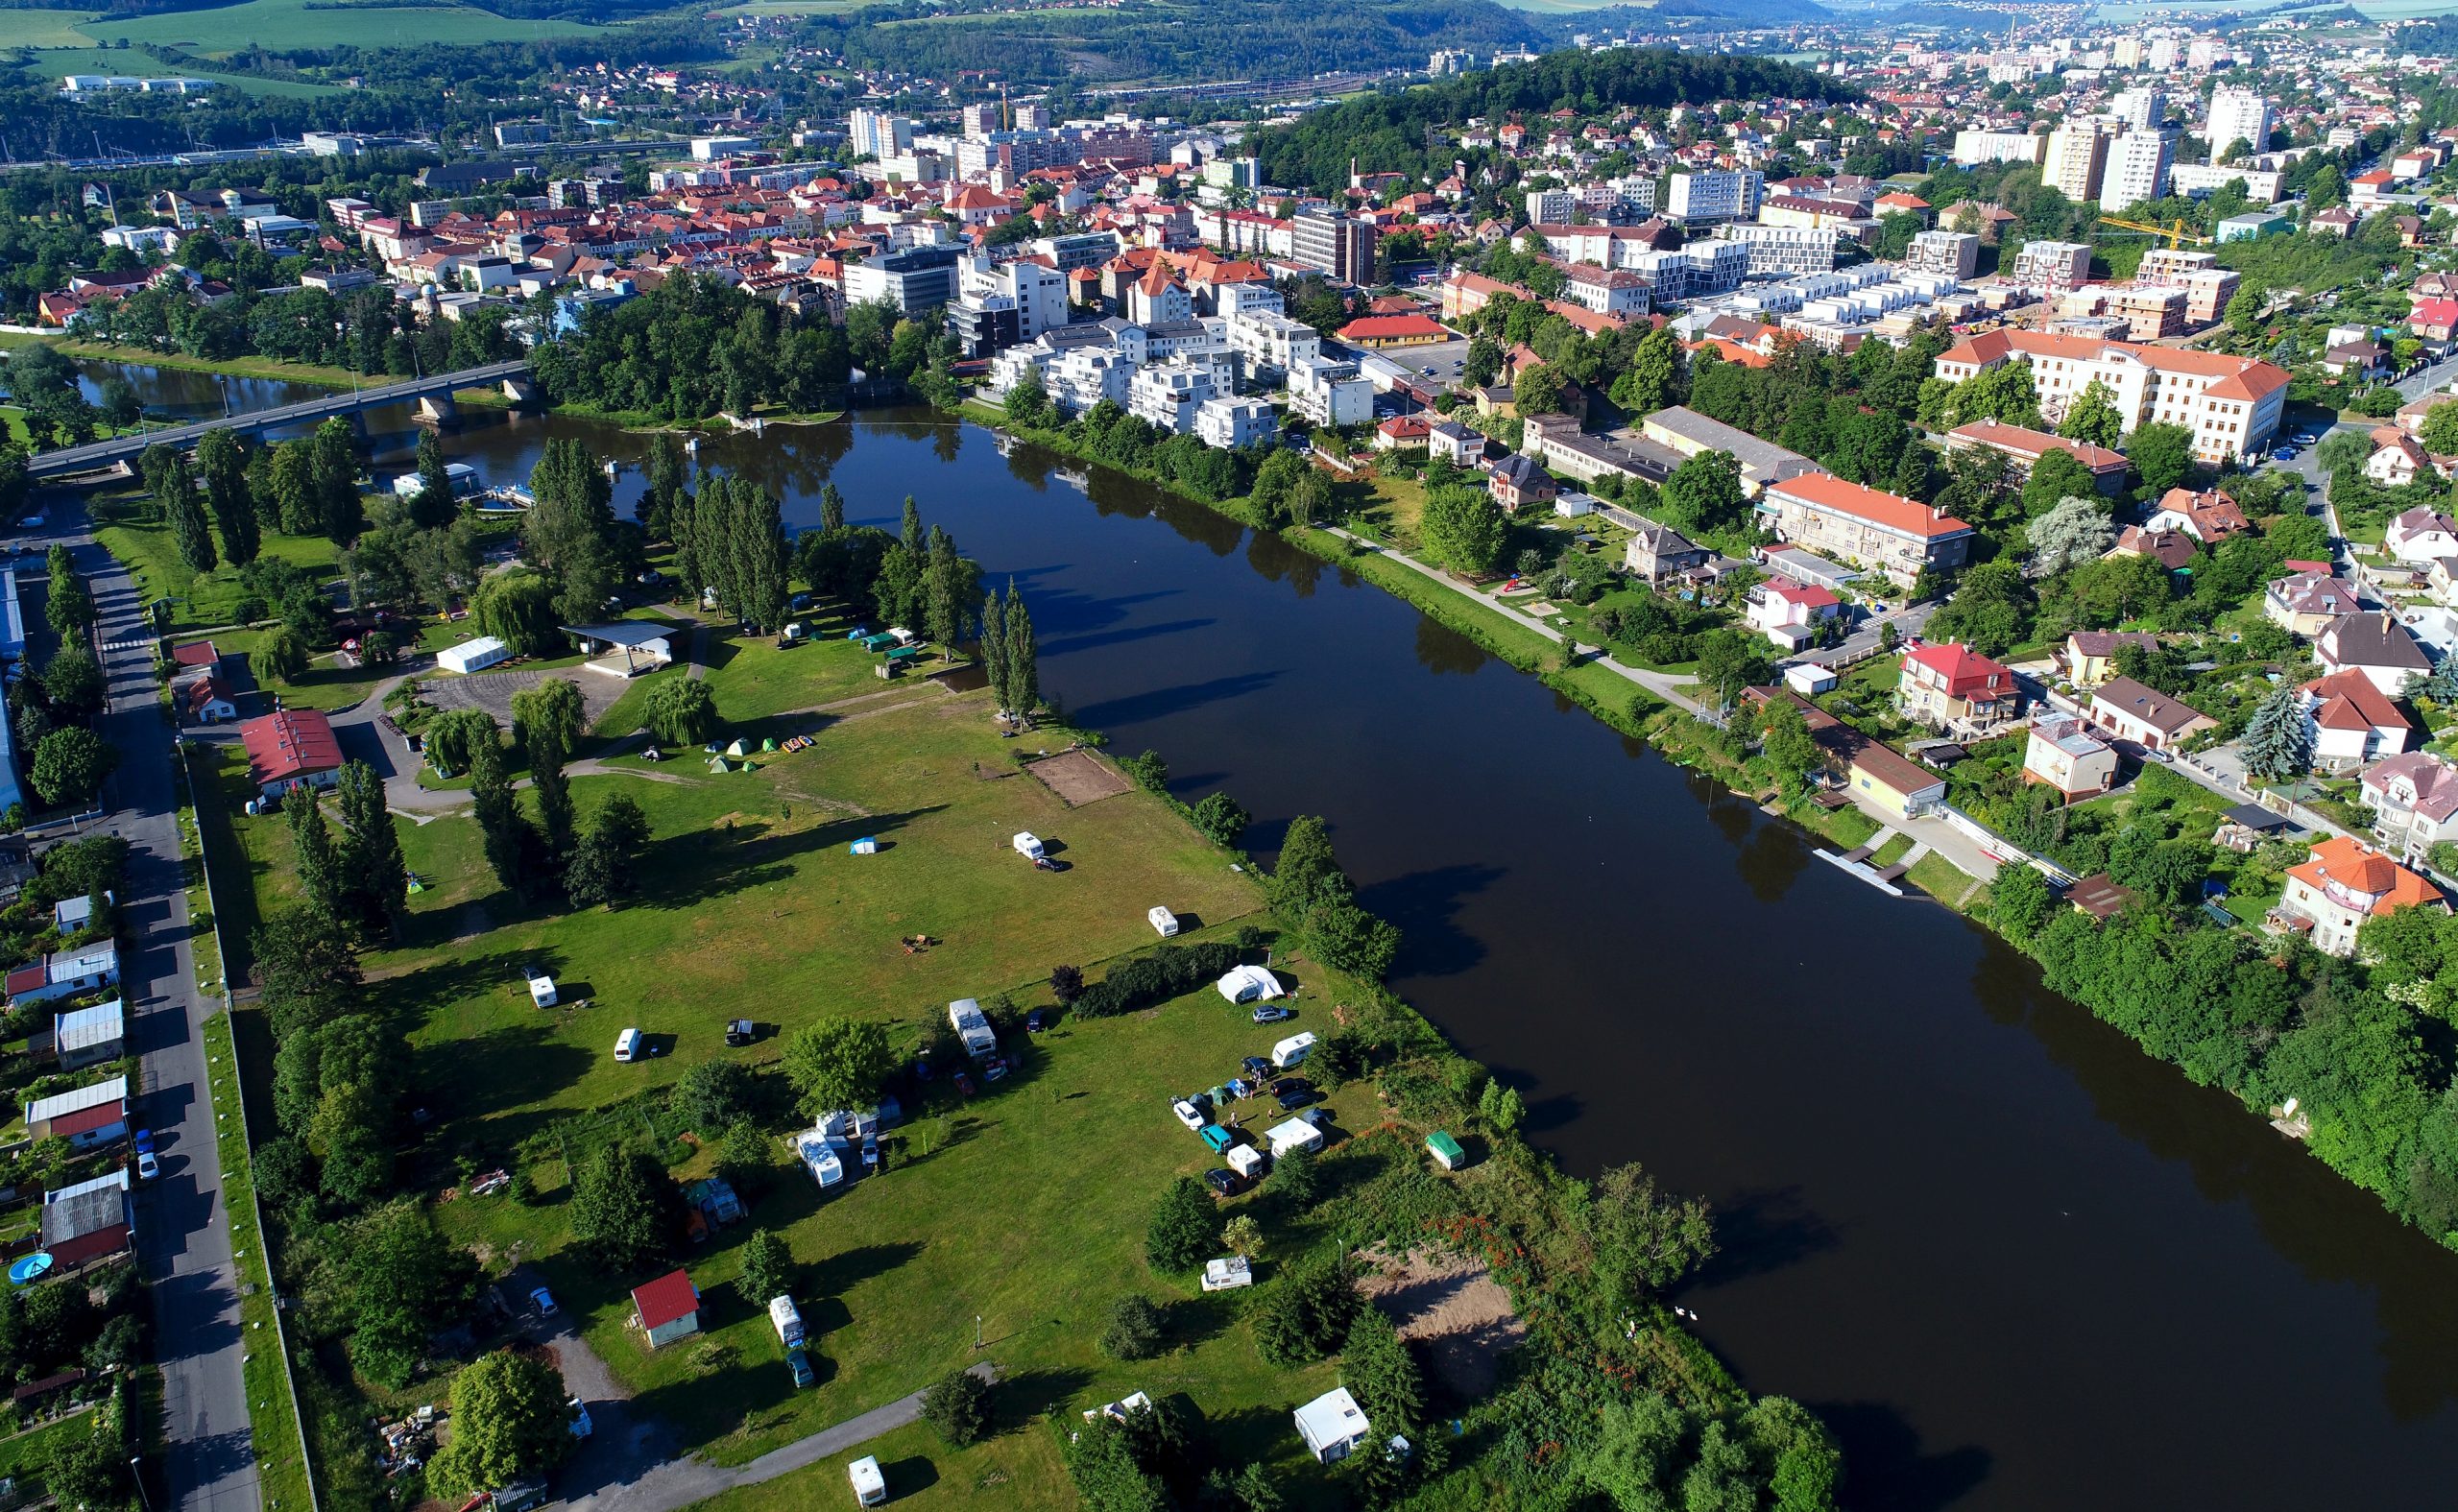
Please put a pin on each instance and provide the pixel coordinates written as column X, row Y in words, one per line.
column 964, row 1083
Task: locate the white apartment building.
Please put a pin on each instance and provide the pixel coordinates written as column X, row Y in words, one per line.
column 2051, row 267
column 2231, row 405
column 1235, row 425
column 1329, row 393
column 1550, row 207
column 2078, row 156
column 1696, row 271
column 1039, row 292
column 2197, row 179
column 1719, row 194
column 2140, row 109
column 878, row 134
column 1607, row 291
column 2236, row 114
column 1083, row 376
column 2137, row 169
column 1270, row 342
column 1783, row 251
column 1972, row 149
column 1955, row 255
column 1168, row 394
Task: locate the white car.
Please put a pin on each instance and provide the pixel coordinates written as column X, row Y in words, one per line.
column 1188, row 1114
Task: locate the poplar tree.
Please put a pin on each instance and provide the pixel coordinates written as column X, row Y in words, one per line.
column 341, row 514
column 557, row 823
column 994, row 649
column 831, row 507
column 669, row 472
column 756, row 541
column 909, row 532
column 1024, row 657
column 67, row 602
column 185, row 510
column 433, row 504
column 312, row 845
column 227, row 493
column 505, row 831
column 291, row 479
column 947, row 585
column 374, row 879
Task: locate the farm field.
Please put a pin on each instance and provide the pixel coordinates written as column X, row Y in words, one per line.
column 293, row 24
column 45, row 28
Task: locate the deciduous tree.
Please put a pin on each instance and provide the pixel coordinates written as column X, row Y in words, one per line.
column 625, row 1209
column 838, row 1063
column 510, row 1420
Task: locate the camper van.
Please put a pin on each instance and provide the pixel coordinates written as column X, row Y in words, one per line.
column 788, row 1320
column 627, row 1046
column 1028, row 844
column 541, row 988
column 869, row 1487
column 1164, row 921
column 1291, row 1051
column 973, row 1027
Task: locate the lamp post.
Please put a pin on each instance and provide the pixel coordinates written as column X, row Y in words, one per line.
column 136, row 1472
column 977, row 1332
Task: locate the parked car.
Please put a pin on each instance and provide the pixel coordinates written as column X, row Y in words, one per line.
column 1286, row 1085
column 1319, row 1117
column 1223, row 1184
column 920, row 1067
column 800, row 1364
column 1272, row 1013
column 1256, row 1067
column 740, row 1031
column 1037, row 1021
column 1292, row 1100
column 1218, row 1138
column 143, row 1142
column 147, row 1167
column 544, row 1301
column 993, row 1069
column 963, row 1083
column 1187, row 1114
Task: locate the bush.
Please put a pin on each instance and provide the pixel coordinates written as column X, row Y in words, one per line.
column 1169, row 972
column 958, row 1406
column 1134, row 1328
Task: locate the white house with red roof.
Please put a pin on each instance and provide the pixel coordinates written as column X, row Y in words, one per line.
column 2346, row 882
column 1951, row 687
column 2231, row 405
column 1788, row 612
column 291, row 748
column 1834, row 518
column 2354, row 722
column 669, row 1307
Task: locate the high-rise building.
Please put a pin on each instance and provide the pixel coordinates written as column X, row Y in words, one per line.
column 2236, row 115
column 1718, row 194
column 2078, row 155
column 1550, row 207
column 1032, row 117
column 983, row 119
column 1972, row 149
column 1954, row 254
column 2140, row 109
column 1334, row 245
column 2128, row 53
column 2163, row 53
column 877, row 134
column 2137, row 169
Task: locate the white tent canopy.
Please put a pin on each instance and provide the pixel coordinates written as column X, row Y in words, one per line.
column 1249, row 984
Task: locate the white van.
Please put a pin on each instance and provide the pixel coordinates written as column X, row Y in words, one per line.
column 627, row 1045
column 869, row 1487
column 787, row 1318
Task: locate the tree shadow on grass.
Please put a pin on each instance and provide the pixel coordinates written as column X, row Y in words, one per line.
column 1032, row 1394
column 909, row 1475
column 1187, row 1322
column 846, row 1269
column 505, row 1105
column 687, row 869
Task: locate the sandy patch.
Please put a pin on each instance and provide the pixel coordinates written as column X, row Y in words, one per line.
column 1452, row 1310
column 1078, row 777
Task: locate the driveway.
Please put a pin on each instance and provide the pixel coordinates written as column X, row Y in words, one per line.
column 182, row 1232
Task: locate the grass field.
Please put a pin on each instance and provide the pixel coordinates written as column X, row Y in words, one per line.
column 1024, row 1208
column 44, row 29
column 284, row 24
column 52, row 63
column 201, row 600
column 144, row 356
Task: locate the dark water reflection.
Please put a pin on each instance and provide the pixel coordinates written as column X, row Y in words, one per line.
column 2016, row 1263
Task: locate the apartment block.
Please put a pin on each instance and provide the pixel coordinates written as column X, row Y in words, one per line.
column 1782, row 250
column 2231, row 405
column 2236, row 114
column 1335, row 246
column 1972, row 149
column 2077, row 160
column 1956, row 254
column 2138, row 164
column 2051, row 267
column 1719, row 194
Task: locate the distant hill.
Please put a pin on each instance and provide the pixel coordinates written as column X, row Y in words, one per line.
column 1709, row 12
column 1949, row 19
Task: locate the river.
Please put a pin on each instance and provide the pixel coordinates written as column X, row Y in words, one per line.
column 2013, row 1260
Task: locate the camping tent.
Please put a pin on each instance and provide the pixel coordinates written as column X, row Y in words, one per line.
column 1248, row 984
column 868, row 845
column 720, row 763
column 737, row 751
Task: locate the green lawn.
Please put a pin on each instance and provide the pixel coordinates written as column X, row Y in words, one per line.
column 200, row 601
column 290, row 24
column 76, row 52
column 44, row 29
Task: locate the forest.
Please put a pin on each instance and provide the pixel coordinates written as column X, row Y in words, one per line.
column 1389, row 131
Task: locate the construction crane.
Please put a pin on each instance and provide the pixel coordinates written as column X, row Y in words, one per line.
column 2175, row 231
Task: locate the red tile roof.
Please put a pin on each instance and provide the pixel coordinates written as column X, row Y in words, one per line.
column 1889, row 511
column 195, row 654
column 1391, row 327
column 669, row 1298
column 290, row 744
column 2361, row 870
column 100, row 1116
column 1962, row 669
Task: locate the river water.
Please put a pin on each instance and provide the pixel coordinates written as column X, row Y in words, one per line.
column 2013, row 1260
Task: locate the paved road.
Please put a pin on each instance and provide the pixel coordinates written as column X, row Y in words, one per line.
column 182, row 1233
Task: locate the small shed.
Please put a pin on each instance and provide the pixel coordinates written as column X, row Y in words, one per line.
column 472, row 656
column 669, row 1307
column 1248, row 984
column 1331, row 1424
column 1294, row 1135
column 1227, row 1274
column 90, row 1036
column 1807, row 678
column 1445, row 1150
column 87, row 1118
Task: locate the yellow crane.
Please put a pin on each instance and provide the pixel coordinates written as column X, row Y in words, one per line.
column 2175, row 231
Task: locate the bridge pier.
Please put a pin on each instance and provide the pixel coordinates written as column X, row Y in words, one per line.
column 357, row 423
column 439, row 409
column 520, row 391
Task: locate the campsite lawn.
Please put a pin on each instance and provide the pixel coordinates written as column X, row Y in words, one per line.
column 200, row 600
column 1024, row 1206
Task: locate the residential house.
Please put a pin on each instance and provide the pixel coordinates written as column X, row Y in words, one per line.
column 65, row 973
column 1394, row 330
column 2344, row 884
column 2089, row 657
column 2208, row 518
column 2148, row 718
column 2172, row 549
column 92, row 1220
column 1332, row 1426
column 2375, row 645
column 1403, row 433
column 1879, row 776
column 2064, row 753
column 1451, row 442
column 1656, row 552
column 2414, row 799
column 88, row 1118
column 2354, row 722
column 1790, row 613
column 1230, row 424
column 208, row 702
column 1887, row 531
column 291, row 748
column 1517, row 479
column 2398, row 459
column 2421, row 535
column 1953, row 687
column 667, row 1309
column 2306, row 602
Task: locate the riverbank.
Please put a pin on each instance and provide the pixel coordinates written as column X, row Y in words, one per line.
column 266, row 369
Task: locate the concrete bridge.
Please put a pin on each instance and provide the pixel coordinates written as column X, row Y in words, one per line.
column 433, row 396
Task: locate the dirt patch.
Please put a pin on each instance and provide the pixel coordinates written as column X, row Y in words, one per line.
column 1078, row 777
column 1452, row 1310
